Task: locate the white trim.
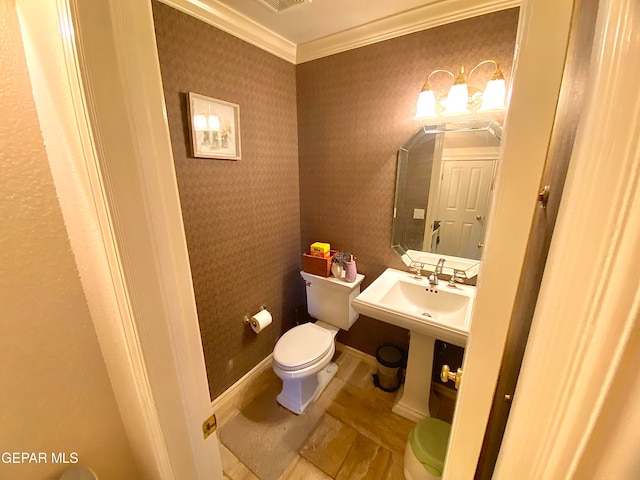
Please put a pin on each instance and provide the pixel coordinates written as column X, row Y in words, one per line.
column 132, row 254
column 416, row 20
column 246, row 381
column 228, row 20
column 433, row 15
column 265, row 364
column 583, row 327
column 476, row 153
column 53, row 68
column 238, row 386
column 542, row 40
column 365, row 357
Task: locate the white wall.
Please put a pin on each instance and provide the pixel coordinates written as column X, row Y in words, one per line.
column 55, row 394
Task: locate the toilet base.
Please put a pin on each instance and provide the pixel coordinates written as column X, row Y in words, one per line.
column 297, row 394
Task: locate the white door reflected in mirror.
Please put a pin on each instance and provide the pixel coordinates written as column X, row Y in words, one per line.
column 445, row 171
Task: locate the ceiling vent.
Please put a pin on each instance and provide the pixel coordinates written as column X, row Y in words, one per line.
column 280, row 5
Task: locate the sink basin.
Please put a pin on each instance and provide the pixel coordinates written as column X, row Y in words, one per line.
column 430, row 313
column 398, row 298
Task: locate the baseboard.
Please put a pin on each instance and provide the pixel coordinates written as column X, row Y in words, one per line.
column 246, row 380
column 243, row 382
column 365, row 357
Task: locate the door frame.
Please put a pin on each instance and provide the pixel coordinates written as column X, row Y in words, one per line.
column 566, row 419
column 569, row 418
column 96, row 81
column 542, row 40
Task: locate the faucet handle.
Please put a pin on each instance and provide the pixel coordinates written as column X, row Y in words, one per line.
column 458, row 276
column 416, row 267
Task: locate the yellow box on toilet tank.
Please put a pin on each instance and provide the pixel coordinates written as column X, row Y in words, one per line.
column 319, row 249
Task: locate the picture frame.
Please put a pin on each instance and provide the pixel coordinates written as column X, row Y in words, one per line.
column 214, row 126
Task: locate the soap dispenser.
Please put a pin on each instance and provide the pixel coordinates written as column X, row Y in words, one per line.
column 351, row 272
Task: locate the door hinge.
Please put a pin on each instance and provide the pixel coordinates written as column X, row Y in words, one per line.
column 543, row 196
column 209, row 426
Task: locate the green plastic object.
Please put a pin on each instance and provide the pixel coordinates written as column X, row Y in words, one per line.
column 429, row 440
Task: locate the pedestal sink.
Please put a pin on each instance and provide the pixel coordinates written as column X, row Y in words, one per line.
column 429, row 313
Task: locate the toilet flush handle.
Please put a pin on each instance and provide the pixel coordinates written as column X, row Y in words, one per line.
column 446, row 375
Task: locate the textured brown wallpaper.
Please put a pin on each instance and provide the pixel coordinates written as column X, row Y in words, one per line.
column 242, row 218
column 355, row 109
column 319, row 145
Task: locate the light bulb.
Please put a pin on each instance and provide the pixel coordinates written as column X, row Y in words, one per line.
column 457, row 100
column 493, row 96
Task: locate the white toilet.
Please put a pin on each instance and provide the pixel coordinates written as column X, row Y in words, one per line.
column 302, row 356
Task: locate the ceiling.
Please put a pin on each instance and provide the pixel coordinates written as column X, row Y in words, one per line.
column 318, row 28
column 316, row 19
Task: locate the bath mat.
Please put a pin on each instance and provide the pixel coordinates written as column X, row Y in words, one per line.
column 267, row 437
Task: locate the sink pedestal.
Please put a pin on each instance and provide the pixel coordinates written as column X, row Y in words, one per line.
column 412, row 401
column 429, row 312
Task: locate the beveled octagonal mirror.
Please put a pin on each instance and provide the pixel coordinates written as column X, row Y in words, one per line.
column 444, row 185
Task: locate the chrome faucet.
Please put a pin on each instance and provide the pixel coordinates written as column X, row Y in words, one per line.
column 433, row 277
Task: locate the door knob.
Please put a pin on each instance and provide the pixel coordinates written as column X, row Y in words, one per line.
column 478, row 217
column 446, row 375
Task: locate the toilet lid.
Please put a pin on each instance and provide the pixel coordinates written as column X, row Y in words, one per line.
column 301, row 346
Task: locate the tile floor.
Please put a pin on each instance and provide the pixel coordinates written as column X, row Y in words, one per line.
column 358, row 436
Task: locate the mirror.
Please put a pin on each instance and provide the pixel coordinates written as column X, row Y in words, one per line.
column 444, row 186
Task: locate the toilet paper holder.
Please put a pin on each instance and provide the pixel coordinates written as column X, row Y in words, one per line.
column 247, row 318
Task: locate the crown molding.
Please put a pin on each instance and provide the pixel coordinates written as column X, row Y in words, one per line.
column 418, row 19
column 220, row 16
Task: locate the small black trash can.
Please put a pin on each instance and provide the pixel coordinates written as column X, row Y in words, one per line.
column 390, row 358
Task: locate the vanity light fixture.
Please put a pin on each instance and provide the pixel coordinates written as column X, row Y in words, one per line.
column 462, row 98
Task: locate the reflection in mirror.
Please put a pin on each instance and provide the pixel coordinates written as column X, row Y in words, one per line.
column 444, row 184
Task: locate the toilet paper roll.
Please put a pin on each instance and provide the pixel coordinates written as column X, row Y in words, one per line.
column 260, row 321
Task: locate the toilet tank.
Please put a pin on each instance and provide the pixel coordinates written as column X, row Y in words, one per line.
column 329, row 299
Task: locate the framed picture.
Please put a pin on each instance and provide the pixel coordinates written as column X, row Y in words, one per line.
column 214, row 126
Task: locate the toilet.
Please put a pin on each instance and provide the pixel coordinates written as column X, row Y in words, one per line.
column 426, row 450
column 302, row 356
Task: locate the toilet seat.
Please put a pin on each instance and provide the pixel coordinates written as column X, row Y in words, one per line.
column 302, row 346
